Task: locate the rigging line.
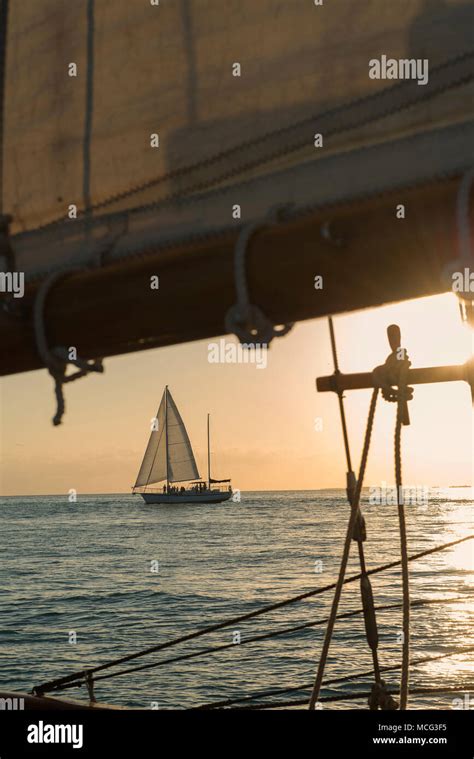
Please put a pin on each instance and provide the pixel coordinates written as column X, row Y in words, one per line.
column 343, row 679
column 340, row 396
column 3, row 73
column 359, row 534
column 254, row 639
column 345, row 554
column 356, row 696
column 55, row 684
column 401, row 405
column 389, row 101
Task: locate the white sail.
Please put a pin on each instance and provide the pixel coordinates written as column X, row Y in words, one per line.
column 169, row 441
column 181, row 462
column 153, row 468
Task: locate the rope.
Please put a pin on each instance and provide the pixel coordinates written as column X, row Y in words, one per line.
column 465, row 258
column 466, row 255
column 340, row 396
column 356, row 696
column 359, row 534
column 244, row 319
column 345, row 555
column 345, row 678
column 78, row 676
column 254, row 639
column 355, row 114
column 403, row 543
column 57, row 359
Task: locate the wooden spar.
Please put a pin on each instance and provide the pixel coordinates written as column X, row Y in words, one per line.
column 396, row 368
column 368, row 258
column 425, row 375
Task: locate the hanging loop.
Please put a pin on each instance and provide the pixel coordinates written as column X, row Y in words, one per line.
column 245, row 319
column 463, row 265
column 466, row 254
column 57, row 359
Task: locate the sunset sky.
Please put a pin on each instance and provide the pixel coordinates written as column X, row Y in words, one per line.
column 263, row 420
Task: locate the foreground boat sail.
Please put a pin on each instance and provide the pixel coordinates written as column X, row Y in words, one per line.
column 169, row 458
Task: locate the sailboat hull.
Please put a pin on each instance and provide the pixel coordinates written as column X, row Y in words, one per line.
column 213, row 496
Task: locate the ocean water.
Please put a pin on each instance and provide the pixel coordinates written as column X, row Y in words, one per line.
column 86, row 567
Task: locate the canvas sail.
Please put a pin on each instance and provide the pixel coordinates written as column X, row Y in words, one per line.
column 166, row 69
column 181, row 462
column 153, row 468
column 141, row 69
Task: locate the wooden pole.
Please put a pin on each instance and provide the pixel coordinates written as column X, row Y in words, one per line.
column 425, row 375
column 370, row 258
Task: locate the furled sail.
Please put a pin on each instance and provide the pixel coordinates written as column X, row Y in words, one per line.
column 232, row 92
column 133, row 132
column 168, row 439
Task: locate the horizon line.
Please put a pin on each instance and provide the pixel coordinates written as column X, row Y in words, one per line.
column 249, row 490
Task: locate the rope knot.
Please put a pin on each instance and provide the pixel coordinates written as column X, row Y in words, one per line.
column 359, row 533
column 250, row 324
column 391, row 376
column 381, row 699
column 89, row 681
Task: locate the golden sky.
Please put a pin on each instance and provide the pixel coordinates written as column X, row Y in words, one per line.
column 263, row 420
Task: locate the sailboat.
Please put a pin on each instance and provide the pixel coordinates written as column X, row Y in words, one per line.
column 340, row 153
column 169, row 458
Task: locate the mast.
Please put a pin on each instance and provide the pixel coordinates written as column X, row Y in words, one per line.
column 166, row 437
column 208, row 455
